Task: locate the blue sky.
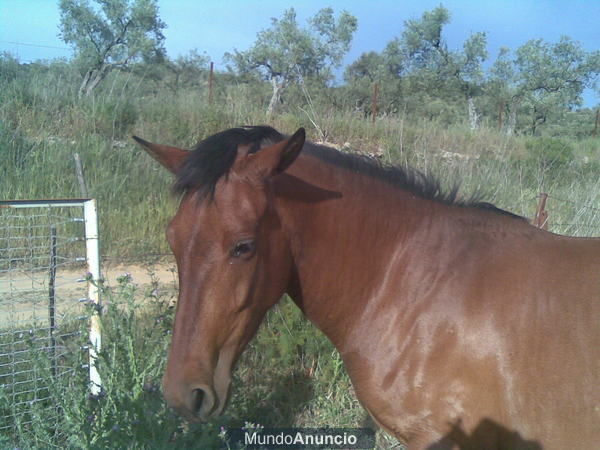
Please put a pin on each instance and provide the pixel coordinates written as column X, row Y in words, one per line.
column 218, row 26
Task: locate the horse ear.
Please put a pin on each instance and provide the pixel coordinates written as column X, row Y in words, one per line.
column 170, row 157
column 278, row 157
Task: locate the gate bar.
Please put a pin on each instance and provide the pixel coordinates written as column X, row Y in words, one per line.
column 93, row 261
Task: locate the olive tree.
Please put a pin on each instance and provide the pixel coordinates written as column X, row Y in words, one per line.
column 428, row 57
column 543, row 78
column 110, row 34
column 285, row 53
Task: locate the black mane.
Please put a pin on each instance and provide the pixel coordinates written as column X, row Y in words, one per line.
column 212, row 159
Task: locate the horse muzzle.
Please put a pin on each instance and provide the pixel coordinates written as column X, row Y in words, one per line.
column 195, row 402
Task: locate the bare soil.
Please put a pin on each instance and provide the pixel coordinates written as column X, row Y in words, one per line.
column 24, row 296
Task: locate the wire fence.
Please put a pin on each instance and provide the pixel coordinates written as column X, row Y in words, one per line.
column 44, row 306
column 585, row 221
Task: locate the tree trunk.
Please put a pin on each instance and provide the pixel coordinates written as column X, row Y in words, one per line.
column 511, row 122
column 473, row 114
column 278, row 87
column 500, row 116
column 539, row 118
column 92, row 79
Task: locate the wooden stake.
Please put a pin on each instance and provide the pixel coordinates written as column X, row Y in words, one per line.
column 210, row 83
column 374, row 102
column 541, row 215
column 79, row 172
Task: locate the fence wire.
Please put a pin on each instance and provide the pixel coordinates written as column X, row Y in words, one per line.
column 583, row 219
column 43, row 312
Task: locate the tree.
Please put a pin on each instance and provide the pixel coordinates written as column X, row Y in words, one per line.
column 422, row 40
column 428, row 57
column 9, row 67
column 187, row 70
column 111, row 34
column 553, row 76
column 470, row 73
column 500, row 89
column 286, row 54
column 381, row 69
column 543, row 78
column 361, row 76
column 418, row 69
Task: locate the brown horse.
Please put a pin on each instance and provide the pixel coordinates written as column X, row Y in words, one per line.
column 453, row 318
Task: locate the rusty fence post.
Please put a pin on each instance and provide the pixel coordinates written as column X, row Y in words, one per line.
column 210, row 82
column 374, row 100
column 541, row 215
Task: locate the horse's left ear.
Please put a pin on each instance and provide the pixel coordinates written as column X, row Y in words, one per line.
column 278, row 157
column 169, row 157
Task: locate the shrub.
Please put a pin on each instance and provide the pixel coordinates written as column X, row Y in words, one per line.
column 113, row 117
column 549, row 153
column 14, row 148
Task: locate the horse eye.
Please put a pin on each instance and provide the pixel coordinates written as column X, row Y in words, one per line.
column 243, row 248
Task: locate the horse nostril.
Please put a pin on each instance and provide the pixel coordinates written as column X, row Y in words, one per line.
column 197, row 403
column 196, row 400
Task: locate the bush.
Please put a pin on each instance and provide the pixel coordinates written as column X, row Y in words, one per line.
column 114, row 117
column 549, row 153
column 14, row 148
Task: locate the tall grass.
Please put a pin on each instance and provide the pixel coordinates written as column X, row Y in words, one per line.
column 42, row 124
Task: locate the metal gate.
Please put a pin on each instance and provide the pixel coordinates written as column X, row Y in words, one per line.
column 49, row 303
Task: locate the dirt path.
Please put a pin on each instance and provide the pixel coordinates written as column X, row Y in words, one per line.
column 139, row 274
column 24, row 296
column 164, row 273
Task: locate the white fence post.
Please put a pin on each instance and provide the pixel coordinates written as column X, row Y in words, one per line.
column 93, row 263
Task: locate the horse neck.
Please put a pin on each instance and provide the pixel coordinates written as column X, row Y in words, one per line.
column 342, row 242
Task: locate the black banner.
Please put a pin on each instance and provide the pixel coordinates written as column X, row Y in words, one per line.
column 300, row 438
